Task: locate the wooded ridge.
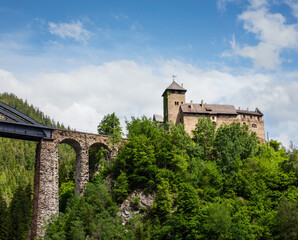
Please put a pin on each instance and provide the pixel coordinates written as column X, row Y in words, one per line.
column 220, row 184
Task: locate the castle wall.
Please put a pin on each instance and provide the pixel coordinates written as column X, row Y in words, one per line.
column 190, row 122
column 254, row 123
column 173, row 107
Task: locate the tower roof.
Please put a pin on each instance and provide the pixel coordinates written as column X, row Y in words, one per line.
column 174, row 86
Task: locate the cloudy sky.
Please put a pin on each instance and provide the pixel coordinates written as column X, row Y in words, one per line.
column 80, row 60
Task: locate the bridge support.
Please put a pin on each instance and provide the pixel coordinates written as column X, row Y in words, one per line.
column 45, row 197
column 46, row 180
column 82, row 170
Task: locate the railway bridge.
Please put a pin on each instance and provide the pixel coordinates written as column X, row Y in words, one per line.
column 14, row 124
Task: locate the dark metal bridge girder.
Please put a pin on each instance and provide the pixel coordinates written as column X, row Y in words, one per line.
column 24, row 131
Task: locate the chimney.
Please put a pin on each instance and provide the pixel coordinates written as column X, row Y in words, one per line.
column 247, row 109
column 181, row 84
column 202, row 104
column 238, row 108
column 191, row 105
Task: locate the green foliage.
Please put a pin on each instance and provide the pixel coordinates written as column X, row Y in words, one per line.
column 223, row 187
column 219, row 185
column 110, row 125
column 99, row 158
column 218, row 221
column 287, row 219
column 120, row 190
column 17, row 161
column 204, row 133
column 67, row 158
column 4, row 220
column 152, row 154
column 275, row 144
column 93, row 215
column 17, row 157
column 233, row 143
column 66, row 191
column 163, row 201
column 20, row 213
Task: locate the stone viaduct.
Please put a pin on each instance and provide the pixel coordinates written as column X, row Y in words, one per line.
column 45, row 197
column 14, row 124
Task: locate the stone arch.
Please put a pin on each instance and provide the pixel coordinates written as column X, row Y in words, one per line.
column 81, row 172
column 73, row 143
column 96, row 151
column 46, row 197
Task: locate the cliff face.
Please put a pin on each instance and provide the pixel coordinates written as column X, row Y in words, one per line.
column 134, row 203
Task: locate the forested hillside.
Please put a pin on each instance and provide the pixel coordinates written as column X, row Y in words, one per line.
column 220, row 184
column 17, row 160
column 17, row 157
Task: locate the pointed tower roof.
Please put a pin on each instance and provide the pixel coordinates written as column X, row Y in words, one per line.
column 174, row 86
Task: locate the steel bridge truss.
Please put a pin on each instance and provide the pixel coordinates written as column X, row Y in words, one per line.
column 15, row 124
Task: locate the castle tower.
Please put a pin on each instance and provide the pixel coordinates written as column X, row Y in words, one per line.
column 173, row 97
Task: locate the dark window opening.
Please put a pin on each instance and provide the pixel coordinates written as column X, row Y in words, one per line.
column 254, row 125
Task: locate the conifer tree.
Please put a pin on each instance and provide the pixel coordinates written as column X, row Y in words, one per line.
column 20, row 213
column 3, row 220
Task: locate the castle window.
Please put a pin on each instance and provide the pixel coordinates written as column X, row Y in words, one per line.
column 254, row 125
column 250, row 117
column 212, row 118
column 181, row 102
column 258, row 118
column 244, row 123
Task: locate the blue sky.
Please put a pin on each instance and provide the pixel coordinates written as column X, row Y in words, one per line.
column 80, row 60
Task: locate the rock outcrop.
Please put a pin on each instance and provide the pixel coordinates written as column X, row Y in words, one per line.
column 134, row 203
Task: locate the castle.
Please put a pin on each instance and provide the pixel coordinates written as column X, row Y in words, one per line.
column 178, row 111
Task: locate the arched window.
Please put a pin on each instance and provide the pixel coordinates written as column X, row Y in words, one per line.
column 254, row 125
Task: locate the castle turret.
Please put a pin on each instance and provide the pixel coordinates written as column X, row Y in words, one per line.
column 173, row 97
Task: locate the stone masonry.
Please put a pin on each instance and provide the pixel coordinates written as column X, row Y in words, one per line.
column 178, row 111
column 46, row 196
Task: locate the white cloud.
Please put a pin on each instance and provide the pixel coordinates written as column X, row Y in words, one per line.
column 294, row 5
column 81, row 97
column 272, row 32
column 222, row 4
column 73, row 30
